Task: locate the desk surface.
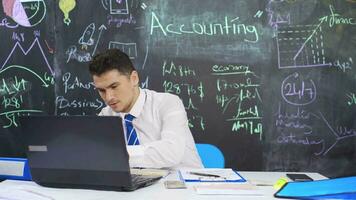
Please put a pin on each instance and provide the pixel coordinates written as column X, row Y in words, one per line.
column 156, row 191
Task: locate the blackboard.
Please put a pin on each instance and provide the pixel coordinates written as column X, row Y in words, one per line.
column 271, row 83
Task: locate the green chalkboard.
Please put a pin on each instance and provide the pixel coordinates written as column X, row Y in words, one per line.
column 271, row 83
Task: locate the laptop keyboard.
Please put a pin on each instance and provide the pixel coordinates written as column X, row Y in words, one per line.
column 137, row 179
column 142, row 179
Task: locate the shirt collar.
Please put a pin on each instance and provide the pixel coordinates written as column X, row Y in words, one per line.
column 138, row 106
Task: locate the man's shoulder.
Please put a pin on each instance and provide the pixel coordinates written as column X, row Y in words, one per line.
column 162, row 96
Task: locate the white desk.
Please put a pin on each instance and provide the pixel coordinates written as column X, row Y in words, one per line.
column 156, row 191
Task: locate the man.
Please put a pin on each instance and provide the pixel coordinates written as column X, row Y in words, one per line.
column 156, row 125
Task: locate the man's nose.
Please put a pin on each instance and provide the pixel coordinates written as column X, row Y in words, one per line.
column 109, row 95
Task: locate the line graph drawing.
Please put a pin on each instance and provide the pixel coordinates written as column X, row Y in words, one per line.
column 35, row 44
column 300, row 46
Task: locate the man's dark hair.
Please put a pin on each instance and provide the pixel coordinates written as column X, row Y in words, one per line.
column 109, row 60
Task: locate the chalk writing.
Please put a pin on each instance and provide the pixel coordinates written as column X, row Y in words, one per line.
column 250, row 126
column 238, row 97
column 343, row 65
column 230, row 69
column 7, row 24
column 12, row 117
column 351, row 99
column 72, row 83
column 180, row 71
column 295, row 127
column 196, row 121
column 335, row 18
column 78, row 55
column 222, row 84
column 13, row 91
column 187, row 88
column 18, row 37
column 229, row 26
column 298, row 91
column 62, row 103
column 291, row 138
column 119, row 22
column 191, row 91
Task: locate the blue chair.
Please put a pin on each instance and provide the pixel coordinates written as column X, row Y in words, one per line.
column 211, row 156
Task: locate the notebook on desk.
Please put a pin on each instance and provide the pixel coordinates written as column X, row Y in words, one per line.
column 86, row 152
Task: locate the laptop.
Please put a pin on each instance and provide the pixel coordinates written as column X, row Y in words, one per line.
column 86, row 152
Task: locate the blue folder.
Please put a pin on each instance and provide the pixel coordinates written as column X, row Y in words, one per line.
column 337, row 188
column 23, row 174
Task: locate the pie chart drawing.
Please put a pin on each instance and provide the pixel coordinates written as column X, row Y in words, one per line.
column 27, row 13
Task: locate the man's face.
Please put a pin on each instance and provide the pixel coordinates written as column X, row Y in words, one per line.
column 119, row 91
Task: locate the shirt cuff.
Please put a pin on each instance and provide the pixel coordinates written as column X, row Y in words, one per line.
column 136, row 153
column 135, row 150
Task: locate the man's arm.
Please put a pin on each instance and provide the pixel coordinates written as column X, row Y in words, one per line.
column 170, row 149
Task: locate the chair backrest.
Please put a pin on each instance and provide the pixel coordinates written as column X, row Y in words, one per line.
column 211, row 156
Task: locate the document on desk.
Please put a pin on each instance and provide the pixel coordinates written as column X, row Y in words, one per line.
column 229, row 189
column 210, row 175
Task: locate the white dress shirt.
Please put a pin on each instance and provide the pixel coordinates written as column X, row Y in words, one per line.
column 162, row 128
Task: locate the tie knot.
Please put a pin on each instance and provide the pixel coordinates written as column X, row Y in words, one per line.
column 129, row 117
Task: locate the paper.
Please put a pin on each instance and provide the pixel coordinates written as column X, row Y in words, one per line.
column 229, row 189
column 212, row 175
column 12, row 167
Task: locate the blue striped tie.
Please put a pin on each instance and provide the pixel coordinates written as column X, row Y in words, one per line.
column 131, row 134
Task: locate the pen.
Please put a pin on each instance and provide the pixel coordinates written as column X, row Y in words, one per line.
column 259, row 184
column 204, row 174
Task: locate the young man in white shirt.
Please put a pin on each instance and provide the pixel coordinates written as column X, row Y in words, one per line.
column 159, row 125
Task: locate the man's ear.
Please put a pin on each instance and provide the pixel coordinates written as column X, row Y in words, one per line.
column 134, row 78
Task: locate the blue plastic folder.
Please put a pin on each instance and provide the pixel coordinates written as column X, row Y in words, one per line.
column 337, row 188
column 14, row 168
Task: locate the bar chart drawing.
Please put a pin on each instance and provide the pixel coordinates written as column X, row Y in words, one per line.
column 129, row 48
column 300, row 46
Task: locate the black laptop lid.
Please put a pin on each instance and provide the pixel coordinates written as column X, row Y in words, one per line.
column 70, row 151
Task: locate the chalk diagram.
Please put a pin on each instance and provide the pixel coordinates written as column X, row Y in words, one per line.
column 15, row 89
column 300, row 46
column 116, row 7
column 27, row 13
column 303, row 46
column 129, row 48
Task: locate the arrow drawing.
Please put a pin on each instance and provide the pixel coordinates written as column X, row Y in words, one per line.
column 101, row 28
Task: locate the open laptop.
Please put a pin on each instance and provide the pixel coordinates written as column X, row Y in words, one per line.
column 87, row 152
